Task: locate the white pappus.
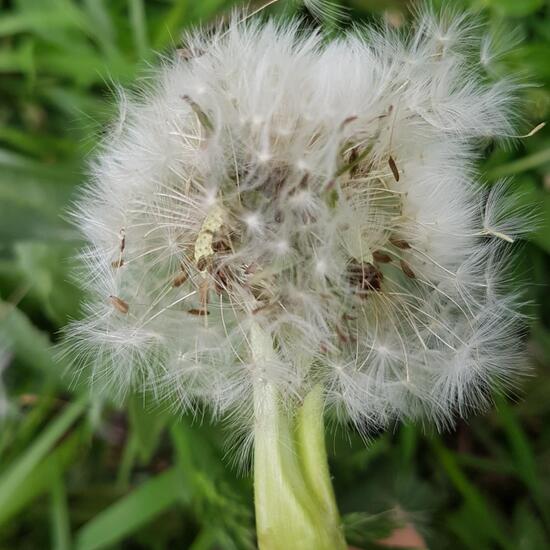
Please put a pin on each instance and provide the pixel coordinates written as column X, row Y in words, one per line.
column 323, row 191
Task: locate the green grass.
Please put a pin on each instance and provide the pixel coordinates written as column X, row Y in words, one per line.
column 79, row 473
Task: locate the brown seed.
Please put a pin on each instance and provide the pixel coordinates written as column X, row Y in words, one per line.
column 198, row 312
column 202, row 263
column 221, row 244
column 117, row 263
column 201, row 115
column 330, row 185
column 365, row 277
column 187, row 54
column 393, row 168
column 347, row 121
column 220, row 281
column 407, row 269
column 344, row 338
column 122, row 235
column 372, row 277
column 184, row 53
column 180, row 279
column 250, row 269
column 400, row 243
column 381, row 257
column 119, row 304
column 261, row 308
column 353, row 157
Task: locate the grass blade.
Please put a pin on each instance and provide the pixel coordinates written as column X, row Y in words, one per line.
column 524, row 459
column 131, row 512
column 139, row 27
column 473, row 499
column 40, row 479
column 15, row 475
column 61, row 532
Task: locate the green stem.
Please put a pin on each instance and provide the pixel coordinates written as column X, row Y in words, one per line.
column 295, row 504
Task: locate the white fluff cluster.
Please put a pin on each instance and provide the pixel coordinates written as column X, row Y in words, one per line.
column 323, row 192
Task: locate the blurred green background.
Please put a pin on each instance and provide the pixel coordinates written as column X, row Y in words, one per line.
column 78, row 473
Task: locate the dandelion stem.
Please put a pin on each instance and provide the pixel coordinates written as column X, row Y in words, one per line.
column 295, row 504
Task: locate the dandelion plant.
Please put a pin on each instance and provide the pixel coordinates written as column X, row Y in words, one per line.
column 283, row 226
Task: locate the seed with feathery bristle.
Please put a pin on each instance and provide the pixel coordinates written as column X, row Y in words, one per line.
column 407, row 270
column 180, row 278
column 119, row 304
column 393, row 168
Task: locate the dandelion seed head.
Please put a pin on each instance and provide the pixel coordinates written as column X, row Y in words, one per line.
column 323, row 191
